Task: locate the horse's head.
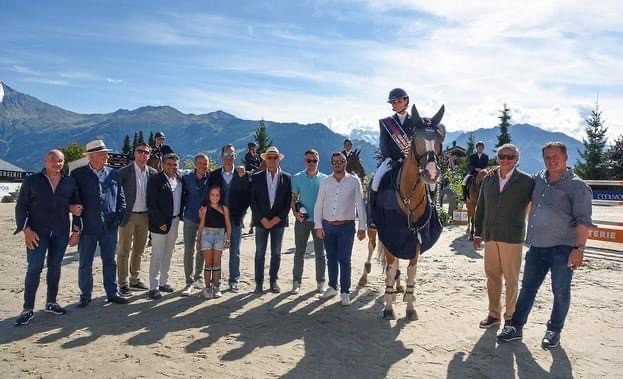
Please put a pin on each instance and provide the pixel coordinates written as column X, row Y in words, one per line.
column 427, row 142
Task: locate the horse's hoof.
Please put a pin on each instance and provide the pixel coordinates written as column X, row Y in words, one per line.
column 389, row 314
column 362, row 282
column 368, row 267
column 411, row 315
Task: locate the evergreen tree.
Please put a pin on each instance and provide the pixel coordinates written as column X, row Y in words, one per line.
column 615, row 161
column 504, row 136
column 127, row 148
column 262, row 139
column 593, row 161
column 141, row 139
column 134, row 142
column 151, row 138
column 72, row 152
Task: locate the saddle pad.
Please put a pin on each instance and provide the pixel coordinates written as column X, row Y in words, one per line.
column 392, row 223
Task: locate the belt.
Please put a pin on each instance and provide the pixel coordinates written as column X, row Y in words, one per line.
column 338, row 222
column 140, row 212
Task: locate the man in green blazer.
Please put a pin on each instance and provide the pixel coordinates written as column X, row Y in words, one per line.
column 501, row 222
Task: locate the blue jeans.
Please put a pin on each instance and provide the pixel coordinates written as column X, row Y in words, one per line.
column 234, row 254
column 55, row 247
column 88, row 243
column 540, row 260
column 338, row 243
column 261, row 242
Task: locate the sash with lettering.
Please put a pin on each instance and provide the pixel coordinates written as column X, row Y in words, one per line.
column 397, row 133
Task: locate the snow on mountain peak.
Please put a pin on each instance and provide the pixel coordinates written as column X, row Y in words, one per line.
column 1, row 90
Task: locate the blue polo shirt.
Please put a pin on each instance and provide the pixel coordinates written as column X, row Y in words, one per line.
column 195, row 191
column 306, row 188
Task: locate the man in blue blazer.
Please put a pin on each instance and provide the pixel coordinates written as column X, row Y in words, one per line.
column 271, row 191
column 477, row 161
column 103, row 202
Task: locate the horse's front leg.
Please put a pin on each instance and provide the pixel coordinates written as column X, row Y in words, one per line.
column 367, row 267
column 391, row 267
column 409, row 296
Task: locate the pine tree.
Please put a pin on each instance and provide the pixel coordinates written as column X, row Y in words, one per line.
column 151, row 138
column 141, row 139
column 504, row 136
column 72, row 152
column 593, row 161
column 134, row 142
column 615, row 159
column 127, row 148
column 261, row 138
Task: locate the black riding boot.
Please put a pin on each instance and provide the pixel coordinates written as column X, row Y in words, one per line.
column 370, row 207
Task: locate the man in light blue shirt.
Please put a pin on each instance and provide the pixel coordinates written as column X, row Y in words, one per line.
column 305, row 185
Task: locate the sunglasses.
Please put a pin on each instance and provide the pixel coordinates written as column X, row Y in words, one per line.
column 311, row 160
column 337, row 163
column 143, row 152
column 229, row 155
column 508, row 157
column 272, row 158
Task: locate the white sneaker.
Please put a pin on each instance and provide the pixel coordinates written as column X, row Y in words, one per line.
column 320, row 288
column 330, row 292
column 345, row 299
column 188, row 290
column 198, row 284
column 207, row 293
column 216, row 292
column 296, row 287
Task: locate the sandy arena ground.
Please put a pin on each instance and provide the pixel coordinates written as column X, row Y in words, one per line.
column 247, row 336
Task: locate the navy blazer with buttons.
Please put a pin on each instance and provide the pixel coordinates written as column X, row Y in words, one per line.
column 389, row 148
column 160, row 202
column 260, row 203
column 103, row 208
column 475, row 162
column 43, row 211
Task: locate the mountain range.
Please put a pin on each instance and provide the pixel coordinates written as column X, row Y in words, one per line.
column 29, row 127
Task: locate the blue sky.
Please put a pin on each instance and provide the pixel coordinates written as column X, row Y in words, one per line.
column 322, row 61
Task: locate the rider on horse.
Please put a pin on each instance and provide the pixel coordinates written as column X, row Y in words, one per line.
column 159, row 148
column 391, row 152
column 478, row 161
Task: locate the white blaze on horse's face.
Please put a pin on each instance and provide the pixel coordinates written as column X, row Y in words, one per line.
column 427, row 142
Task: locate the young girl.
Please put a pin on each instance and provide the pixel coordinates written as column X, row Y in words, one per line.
column 213, row 235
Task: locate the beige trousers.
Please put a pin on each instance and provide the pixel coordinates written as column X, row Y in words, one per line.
column 132, row 236
column 502, row 260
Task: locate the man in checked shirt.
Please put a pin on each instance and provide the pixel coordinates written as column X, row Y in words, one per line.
column 557, row 230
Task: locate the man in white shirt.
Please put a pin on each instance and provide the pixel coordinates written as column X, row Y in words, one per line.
column 339, row 202
column 134, row 224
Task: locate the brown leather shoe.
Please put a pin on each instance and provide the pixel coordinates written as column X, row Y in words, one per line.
column 489, row 322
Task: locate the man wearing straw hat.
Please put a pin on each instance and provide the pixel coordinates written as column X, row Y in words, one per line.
column 103, row 202
column 271, row 191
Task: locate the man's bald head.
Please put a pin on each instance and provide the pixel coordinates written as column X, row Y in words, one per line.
column 55, row 152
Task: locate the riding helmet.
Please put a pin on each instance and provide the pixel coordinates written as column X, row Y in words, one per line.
column 397, row 93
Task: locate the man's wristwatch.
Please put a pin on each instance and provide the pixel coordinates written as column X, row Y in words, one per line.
column 579, row 248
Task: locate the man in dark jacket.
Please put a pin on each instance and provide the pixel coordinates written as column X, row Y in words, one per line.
column 271, row 191
column 477, row 161
column 103, row 202
column 134, row 224
column 42, row 213
column 252, row 159
column 235, row 193
column 501, row 221
column 164, row 204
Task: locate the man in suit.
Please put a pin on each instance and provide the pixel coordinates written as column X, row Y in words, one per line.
column 252, row 159
column 103, row 202
column 164, row 204
column 391, row 152
column 477, row 161
column 271, row 191
column 500, row 221
column 235, row 194
column 348, row 148
column 135, row 223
